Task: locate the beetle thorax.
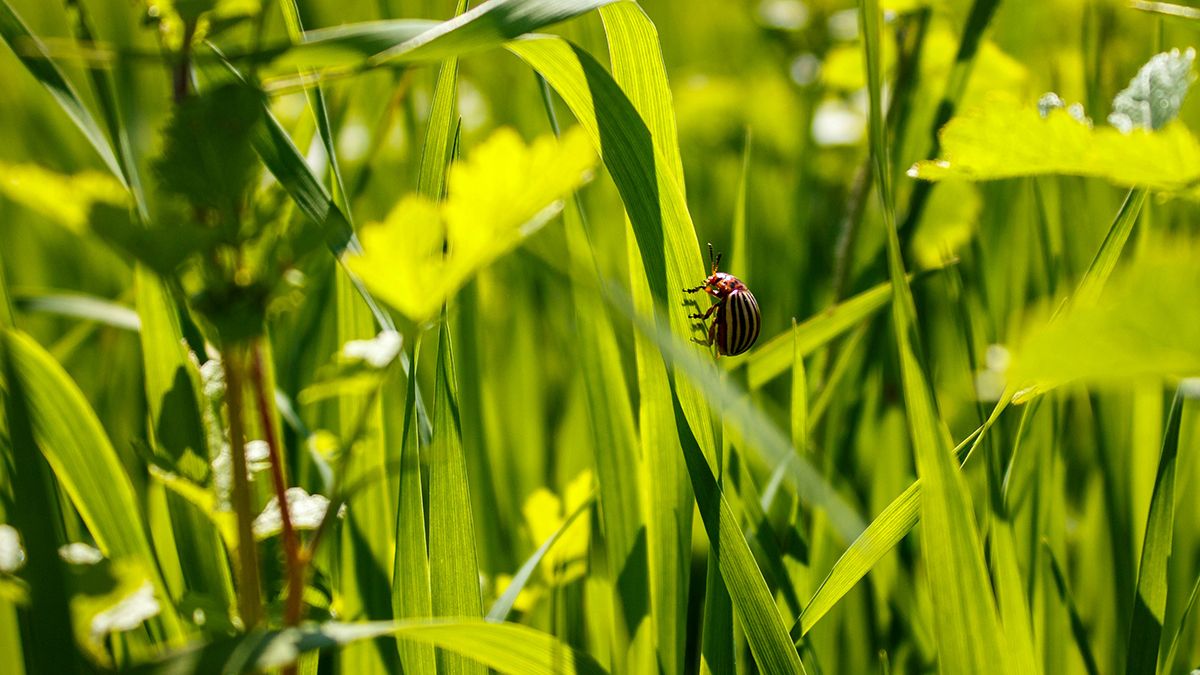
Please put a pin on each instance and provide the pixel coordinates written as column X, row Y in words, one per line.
column 723, row 284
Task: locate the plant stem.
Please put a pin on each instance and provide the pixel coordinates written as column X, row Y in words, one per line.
column 291, row 543
column 249, row 593
column 183, row 70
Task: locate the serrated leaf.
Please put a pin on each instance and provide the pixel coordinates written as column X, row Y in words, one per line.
column 1006, row 140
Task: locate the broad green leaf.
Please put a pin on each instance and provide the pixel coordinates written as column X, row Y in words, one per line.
column 1149, row 609
column 776, row 355
column 505, row 647
column 453, row 567
column 1156, row 93
column 84, row 461
column 970, row 637
column 36, row 58
column 505, row 191
column 1136, row 326
column 1005, row 140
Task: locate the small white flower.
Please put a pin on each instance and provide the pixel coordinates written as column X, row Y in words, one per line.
column 307, row 512
column 79, row 553
column 212, row 374
column 127, row 614
column 377, row 352
column 258, row 456
column 12, row 556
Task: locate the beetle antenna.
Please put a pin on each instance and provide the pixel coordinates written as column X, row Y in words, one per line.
column 710, row 257
column 716, row 263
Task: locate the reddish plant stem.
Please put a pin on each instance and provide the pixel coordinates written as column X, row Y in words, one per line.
column 182, row 76
column 291, row 542
column 249, row 594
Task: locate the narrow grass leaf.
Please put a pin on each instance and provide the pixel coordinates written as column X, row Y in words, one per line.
column 454, row 570
column 36, row 59
column 80, row 306
column 505, row 647
column 1150, row 604
column 1079, row 629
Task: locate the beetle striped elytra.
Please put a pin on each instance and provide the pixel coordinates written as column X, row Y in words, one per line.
column 738, row 320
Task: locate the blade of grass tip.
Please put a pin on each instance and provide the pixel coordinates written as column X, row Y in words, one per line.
column 410, row 578
column 36, row 59
column 503, row 605
column 970, row 637
column 1145, row 628
column 454, row 572
column 79, row 306
column 1106, row 258
column 1078, row 629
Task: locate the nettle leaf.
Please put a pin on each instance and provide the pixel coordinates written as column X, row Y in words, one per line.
column 1142, row 324
column 207, row 156
column 1156, row 93
column 504, row 192
column 1006, row 140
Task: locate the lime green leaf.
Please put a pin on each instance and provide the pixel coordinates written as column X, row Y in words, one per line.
column 109, row 597
column 1150, row 605
column 204, row 500
column 1140, row 324
column 503, row 193
column 1005, row 140
column 1156, row 93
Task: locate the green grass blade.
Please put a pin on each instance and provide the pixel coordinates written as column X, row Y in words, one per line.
column 504, row 647
column 36, row 58
column 755, row 608
column 1150, row 603
column 454, row 570
column 775, row 356
column 410, row 578
column 1105, row 262
column 969, row 635
column 48, row 619
column 1078, row 629
column 1169, row 656
column 79, row 306
column 174, row 395
column 84, row 461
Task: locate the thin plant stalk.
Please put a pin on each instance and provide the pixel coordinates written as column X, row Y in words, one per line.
column 249, row 593
column 291, row 543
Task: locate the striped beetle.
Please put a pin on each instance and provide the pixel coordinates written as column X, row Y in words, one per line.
column 736, row 324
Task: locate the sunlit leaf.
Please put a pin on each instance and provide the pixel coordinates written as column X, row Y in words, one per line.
column 1142, row 324
column 1006, row 139
column 501, row 194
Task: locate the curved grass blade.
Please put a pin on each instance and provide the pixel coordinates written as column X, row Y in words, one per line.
column 504, row 647
column 33, row 54
column 84, row 461
column 1150, row 603
column 80, row 306
column 1169, row 657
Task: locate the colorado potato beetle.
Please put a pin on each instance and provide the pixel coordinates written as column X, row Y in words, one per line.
column 736, row 324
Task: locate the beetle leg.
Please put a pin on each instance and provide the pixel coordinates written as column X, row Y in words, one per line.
column 712, row 336
column 707, row 314
column 693, row 290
